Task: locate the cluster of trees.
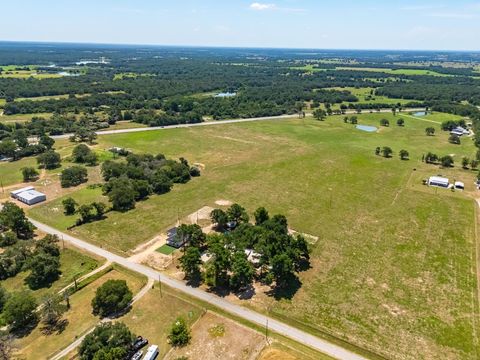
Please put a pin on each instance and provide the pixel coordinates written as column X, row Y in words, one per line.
column 49, row 160
column 111, row 298
column 449, row 125
column 278, row 254
column 15, row 145
column 73, row 176
column 432, row 158
column 352, row 120
column 87, row 212
column 387, row 152
column 142, row 175
column 82, row 154
column 40, row 257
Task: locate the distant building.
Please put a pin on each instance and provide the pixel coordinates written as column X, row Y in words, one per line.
column 28, row 196
column 460, row 131
column 438, row 181
column 459, row 185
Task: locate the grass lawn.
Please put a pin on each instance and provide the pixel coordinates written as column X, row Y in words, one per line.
column 364, row 96
column 73, row 264
column 22, row 117
column 37, row 345
column 166, row 249
column 11, row 173
column 393, row 270
column 153, row 315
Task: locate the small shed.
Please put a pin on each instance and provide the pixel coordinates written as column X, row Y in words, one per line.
column 459, row 185
column 438, row 181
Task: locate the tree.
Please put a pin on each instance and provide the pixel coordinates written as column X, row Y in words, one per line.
column 261, row 215
column 83, row 154
column 387, row 152
column 112, row 297
column 107, row 339
column 474, row 163
column 47, row 141
column 49, row 160
column 430, row 131
column 237, row 213
column 191, row 234
column 53, row 309
column 353, row 120
column 190, row 263
column 86, row 212
column 8, row 148
column 403, row 154
column 44, row 270
column 319, row 114
column 454, row 139
column 99, row 209
column 161, row 183
column 299, row 108
column 73, row 176
column 400, row 122
column 282, row 269
column 3, row 298
column 465, row 162
column 69, row 206
column 219, row 265
column 29, row 174
column 377, row 150
column 219, row 217
column 122, row 194
column 384, row 122
column 242, row 271
column 8, row 238
column 19, row 310
column 431, row 158
column 179, row 333
column 446, row 161
column 13, row 218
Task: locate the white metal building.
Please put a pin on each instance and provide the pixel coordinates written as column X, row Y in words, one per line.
column 438, row 181
column 459, row 185
column 28, row 195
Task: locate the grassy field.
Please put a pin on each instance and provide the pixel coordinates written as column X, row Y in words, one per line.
column 393, row 270
column 73, row 264
column 395, row 71
column 365, row 97
column 22, row 117
column 24, row 74
column 10, row 172
column 38, row 345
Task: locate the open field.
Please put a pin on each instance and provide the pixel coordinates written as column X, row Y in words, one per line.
column 38, row 345
column 24, row 74
column 395, row 71
column 21, row 117
column 10, row 172
column 396, row 272
column 215, row 337
column 365, row 97
column 73, row 264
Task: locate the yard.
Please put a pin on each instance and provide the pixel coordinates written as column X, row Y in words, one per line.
column 79, row 319
column 393, row 270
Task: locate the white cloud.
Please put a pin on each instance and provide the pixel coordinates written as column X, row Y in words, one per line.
column 262, row 6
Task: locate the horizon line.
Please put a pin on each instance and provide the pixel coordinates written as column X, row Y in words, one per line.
column 229, row 47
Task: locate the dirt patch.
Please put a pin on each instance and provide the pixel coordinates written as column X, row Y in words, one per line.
column 200, row 216
column 223, row 203
column 155, row 260
column 215, row 337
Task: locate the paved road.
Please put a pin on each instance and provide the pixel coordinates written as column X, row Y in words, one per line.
column 321, row 345
column 210, row 123
column 79, row 340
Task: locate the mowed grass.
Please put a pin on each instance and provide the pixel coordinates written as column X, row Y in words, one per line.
column 73, row 264
column 22, row 117
column 365, row 97
column 393, row 270
column 11, row 173
column 38, row 345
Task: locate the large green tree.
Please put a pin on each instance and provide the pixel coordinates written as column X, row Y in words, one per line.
column 19, row 310
column 13, row 218
column 190, row 262
column 111, row 297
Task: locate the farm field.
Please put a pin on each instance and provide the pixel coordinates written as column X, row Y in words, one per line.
column 73, row 264
column 364, row 96
column 79, row 318
column 395, row 71
column 396, row 272
column 24, row 74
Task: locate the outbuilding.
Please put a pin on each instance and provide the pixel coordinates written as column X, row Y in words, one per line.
column 438, row 181
column 459, row 185
column 28, row 196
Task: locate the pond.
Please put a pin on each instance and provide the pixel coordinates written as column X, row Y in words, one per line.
column 420, row 113
column 367, row 128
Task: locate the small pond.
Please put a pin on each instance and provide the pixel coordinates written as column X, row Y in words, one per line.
column 420, row 113
column 367, row 128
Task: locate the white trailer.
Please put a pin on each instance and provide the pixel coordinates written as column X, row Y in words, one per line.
column 152, row 353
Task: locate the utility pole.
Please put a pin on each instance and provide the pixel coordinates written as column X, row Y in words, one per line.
column 160, row 285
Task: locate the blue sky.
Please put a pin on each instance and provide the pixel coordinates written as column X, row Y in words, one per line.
column 367, row 24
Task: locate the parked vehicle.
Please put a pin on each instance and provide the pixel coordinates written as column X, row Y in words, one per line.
column 137, row 356
column 139, row 343
column 152, row 353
